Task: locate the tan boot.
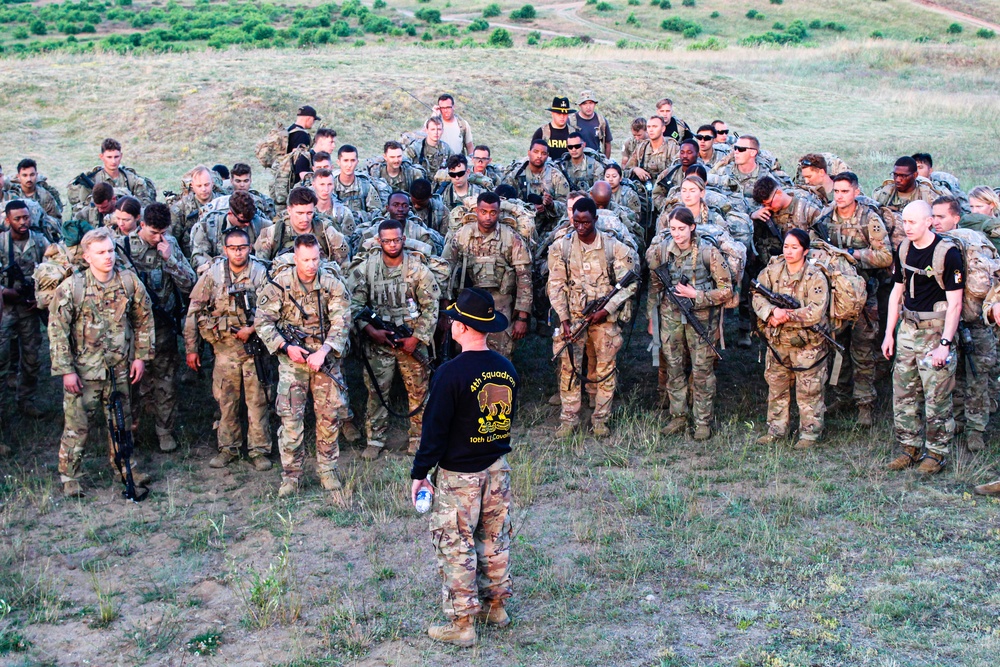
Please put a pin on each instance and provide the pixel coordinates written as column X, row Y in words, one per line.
column 71, row 489
column 991, row 489
column 865, row 418
column 350, row 432
column 167, row 442
column 600, row 429
column 555, row 399
column 931, row 464
column 703, row 432
column 460, row 632
column 289, row 487
column 565, row 430
column 804, row 444
column 676, row 426
column 222, row 459
column 769, row 438
column 261, row 463
column 412, row 447
column 974, row 441
column 330, row 481
column 141, row 478
column 371, row 453
column 494, row 614
column 910, row 457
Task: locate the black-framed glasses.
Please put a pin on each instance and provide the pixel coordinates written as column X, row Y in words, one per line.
column 704, row 137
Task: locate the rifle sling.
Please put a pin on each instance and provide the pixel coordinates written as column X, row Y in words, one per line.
column 378, row 390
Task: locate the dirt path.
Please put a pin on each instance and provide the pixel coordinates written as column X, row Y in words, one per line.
column 962, row 16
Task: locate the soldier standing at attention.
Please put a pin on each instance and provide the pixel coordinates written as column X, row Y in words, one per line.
column 923, row 377
column 21, row 247
column 467, row 436
column 652, row 156
column 495, row 259
column 401, row 290
column 583, row 266
column 167, row 276
column 315, row 302
column 797, row 356
column 101, row 335
column 216, row 316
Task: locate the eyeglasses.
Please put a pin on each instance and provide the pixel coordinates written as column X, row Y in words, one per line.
column 897, row 174
column 441, row 108
column 704, row 137
column 574, row 147
column 238, row 248
column 395, row 241
column 480, row 159
column 722, row 131
column 457, row 174
column 743, row 149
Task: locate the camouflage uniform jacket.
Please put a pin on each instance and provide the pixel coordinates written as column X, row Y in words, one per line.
column 810, row 288
column 863, row 233
column 166, row 279
column 94, row 326
column 185, row 212
column 452, row 200
column 582, row 175
column 361, row 197
column 279, row 238
column 668, row 180
column 213, row 312
column 27, row 254
column 320, row 309
column 405, row 294
column 730, row 179
column 431, row 158
column 41, row 221
column 628, row 148
column 207, row 233
column 628, row 198
column 264, row 204
column 128, row 181
column 652, row 160
column 701, row 263
column 435, row 216
column 890, row 197
column 608, row 223
column 427, row 241
column 498, row 262
column 408, row 172
column 42, row 196
column 550, row 180
column 340, row 216
column 513, row 213
column 578, row 275
column 718, row 154
column 800, row 213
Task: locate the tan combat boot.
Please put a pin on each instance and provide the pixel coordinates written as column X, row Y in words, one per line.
column 702, row 432
column 71, row 489
column 565, row 430
column 676, row 426
column 460, row 632
column 974, row 441
column 371, row 453
column 555, row 399
column 222, row 459
column 330, row 481
column 289, row 487
column 493, row 613
column 991, row 489
column 865, row 415
column 261, row 463
column 350, row 432
column 167, row 442
column 600, row 429
column 910, row 457
column 931, row 464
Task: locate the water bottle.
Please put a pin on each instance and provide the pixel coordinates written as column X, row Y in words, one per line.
column 423, row 502
column 927, row 362
column 413, row 309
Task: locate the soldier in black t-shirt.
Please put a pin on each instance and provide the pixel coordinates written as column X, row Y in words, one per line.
column 298, row 132
column 929, row 279
column 556, row 133
column 466, row 433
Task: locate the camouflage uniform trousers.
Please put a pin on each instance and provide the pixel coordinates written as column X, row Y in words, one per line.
column 972, row 394
column 502, row 342
column 808, row 391
column 157, row 391
column 235, row 372
column 26, row 328
column 606, row 339
column 90, row 407
column 471, row 531
column 383, row 361
column 295, row 381
column 921, row 395
column 861, row 358
column 683, row 348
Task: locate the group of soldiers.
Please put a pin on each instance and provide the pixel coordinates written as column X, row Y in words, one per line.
column 342, row 255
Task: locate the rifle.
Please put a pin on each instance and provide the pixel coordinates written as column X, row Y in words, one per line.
column 790, row 303
column 254, row 346
column 396, row 333
column 684, row 305
column 968, row 346
column 25, row 286
column 594, row 306
column 297, row 337
column 122, row 445
column 419, row 100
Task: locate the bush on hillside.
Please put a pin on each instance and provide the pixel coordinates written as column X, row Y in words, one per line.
column 525, row 13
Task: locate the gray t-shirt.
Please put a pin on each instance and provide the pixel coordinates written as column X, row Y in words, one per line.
column 588, row 130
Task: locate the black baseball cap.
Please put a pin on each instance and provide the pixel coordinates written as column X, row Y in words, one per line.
column 306, row 110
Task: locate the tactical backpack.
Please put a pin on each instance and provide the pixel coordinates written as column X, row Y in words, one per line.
column 834, row 165
column 50, row 272
column 625, row 310
column 284, row 176
column 43, row 183
column 848, row 290
column 81, row 188
column 273, row 147
column 982, row 266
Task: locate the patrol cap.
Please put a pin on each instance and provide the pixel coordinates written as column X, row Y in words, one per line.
column 587, row 96
column 474, row 308
column 560, row 105
column 306, row 110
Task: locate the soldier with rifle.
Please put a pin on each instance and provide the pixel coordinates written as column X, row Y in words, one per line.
column 101, row 335
column 156, row 257
column 223, row 303
column 689, row 284
column 585, row 266
column 400, row 288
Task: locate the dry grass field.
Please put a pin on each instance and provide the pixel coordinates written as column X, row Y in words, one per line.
column 636, row 550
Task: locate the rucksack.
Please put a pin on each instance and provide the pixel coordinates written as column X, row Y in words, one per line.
column 982, row 266
column 625, row 310
column 82, row 186
column 43, row 183
column 274, row 145
column 834, row 165
column 645, row 200
column 848, row 290
column 734, row 252
column 284, row 177
column 50, row 272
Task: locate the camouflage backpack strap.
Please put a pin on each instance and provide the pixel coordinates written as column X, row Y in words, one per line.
column 946, row 243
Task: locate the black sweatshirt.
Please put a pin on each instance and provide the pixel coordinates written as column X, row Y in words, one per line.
column 468, row 415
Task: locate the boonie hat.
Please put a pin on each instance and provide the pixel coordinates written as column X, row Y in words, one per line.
column 587, row 96
column 474, row 308
column 306, row 110
column 560, row 105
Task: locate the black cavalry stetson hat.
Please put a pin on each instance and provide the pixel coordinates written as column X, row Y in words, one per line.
column 474, row 308
column 560, row 105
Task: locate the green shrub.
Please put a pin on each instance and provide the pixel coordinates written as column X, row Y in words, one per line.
column 632, row 20
column 525, row 13
column 710, row 44
column 779, row 38
column 500, row 38
column 411, row 30
column 955, row 29
column 427, row 36
column 342, row 29
column 662, row 4
column 478, row 25
column 262, row 32
column 37, row 27
column 123, row 3
column 89, row 28
column 534, row 37
column 778, row 25
column 69, row 28
column 877, row 34
column 777, row 2
column 688, row 3
column 985, row 33
column 605, row 7
column 754, row 14
column 378, row 4
column 714, row 15
column 834, row 26
column 428, row 15
column 377, row 25
column 683, row 26
column 634, row 3
column 491, row 10
column 692, row 31
column 798, row 29
column 815, row 24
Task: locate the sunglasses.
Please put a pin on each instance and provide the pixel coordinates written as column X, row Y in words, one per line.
column 573, row 147
column 805, row 163
column 722, row 131
column 742, row 149
column 238, row 248
column 704, row 137
column 457, row 174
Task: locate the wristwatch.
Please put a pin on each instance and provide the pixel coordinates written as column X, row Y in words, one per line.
column 945, row 342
